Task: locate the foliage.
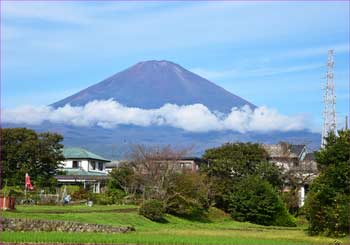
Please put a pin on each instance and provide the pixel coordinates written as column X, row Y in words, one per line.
column 102, row 199
column 25, row 151
column 256, row 201
column 153, row 210
column 117, row 195
column 232, row 162
column 291, row 199
column 80, row 194
column 328, row 201
column 11, row 191
column 123, row 178
column 188, row 196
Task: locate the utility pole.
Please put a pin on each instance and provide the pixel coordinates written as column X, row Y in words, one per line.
column 329, row 115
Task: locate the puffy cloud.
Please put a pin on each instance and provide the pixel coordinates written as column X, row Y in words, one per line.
column 193, row 118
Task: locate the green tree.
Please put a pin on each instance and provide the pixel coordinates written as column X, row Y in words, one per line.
column 188, row 196
column 124, row 178
column 232, row 162
column 328, row 201
column 25, row 151
column 153, row 210
column 256, row 201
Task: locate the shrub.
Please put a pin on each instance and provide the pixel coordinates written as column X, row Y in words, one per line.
column 153, row 210
column 188, row 195
column 102, row 199
column 81, row 194
column 256, row 201
column 117, row 195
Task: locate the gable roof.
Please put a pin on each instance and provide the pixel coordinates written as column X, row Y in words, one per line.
column 80, row 153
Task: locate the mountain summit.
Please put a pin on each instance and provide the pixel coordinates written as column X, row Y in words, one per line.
column 151, row 84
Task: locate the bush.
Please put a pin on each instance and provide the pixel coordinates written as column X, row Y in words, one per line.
column 188, row 196
column 256, row 201
column 117, row 195
column 80, row 194
column 153, row 210
column 102, row 199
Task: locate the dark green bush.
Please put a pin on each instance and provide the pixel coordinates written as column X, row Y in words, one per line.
column 117, row 195
column 256, row 201
column 153, row 210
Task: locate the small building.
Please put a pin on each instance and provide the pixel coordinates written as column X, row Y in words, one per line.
column 82, row 167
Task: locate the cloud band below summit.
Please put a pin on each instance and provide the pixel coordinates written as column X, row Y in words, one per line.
column 192, row 118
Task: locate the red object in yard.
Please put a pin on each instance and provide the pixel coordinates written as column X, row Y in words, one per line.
column 7, row 203
column 28, row 184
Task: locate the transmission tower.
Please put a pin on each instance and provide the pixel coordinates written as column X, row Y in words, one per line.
column 329, row 116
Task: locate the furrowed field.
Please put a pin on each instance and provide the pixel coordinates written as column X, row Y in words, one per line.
column 217, row 228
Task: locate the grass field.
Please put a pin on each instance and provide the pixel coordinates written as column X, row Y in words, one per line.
column 218, row 228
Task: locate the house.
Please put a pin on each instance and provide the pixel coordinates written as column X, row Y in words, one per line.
column 190, row 163
column 295, row 160
column 82, row 167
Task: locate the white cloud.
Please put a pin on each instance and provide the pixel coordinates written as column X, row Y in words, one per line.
column 192, row 118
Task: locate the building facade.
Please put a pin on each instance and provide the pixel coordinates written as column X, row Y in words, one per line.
column 82, row 167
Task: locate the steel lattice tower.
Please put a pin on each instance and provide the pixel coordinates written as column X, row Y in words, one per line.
column 329, row 115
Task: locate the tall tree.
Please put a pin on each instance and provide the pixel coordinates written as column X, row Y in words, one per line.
column 25, row 151
column 232, row 162
column 328, row 201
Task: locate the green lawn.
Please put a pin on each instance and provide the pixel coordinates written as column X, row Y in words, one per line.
column 219, row 228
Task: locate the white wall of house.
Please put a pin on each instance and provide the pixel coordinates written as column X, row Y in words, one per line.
column 85, row 164
column 301, row 196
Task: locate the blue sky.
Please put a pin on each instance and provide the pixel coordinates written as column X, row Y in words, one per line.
column 270, row 53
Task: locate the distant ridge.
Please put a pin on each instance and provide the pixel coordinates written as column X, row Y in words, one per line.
column 151, row 84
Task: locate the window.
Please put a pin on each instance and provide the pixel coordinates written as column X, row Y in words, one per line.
column 75, row 164
column 93, row 165
column 100, row 166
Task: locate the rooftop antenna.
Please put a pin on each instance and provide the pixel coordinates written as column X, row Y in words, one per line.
column 329, row 116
